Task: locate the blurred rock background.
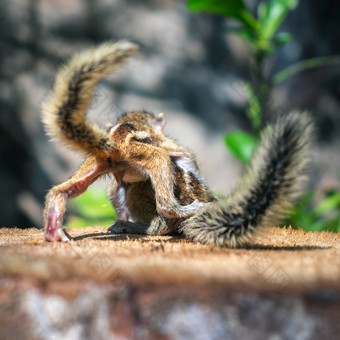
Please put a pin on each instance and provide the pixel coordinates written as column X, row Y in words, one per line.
column 189, row 68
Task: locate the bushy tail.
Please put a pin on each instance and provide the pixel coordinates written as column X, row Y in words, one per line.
column 268, row 188
column 64, row 111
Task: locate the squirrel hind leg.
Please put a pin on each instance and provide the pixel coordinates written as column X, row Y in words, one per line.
column 127, row 227
column 158, row 226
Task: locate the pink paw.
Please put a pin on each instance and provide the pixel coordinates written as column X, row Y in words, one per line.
column 56, row 235
column 53, row 232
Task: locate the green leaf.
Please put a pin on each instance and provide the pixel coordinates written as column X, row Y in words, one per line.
column 93, row 203
column 245, row 34
column 325, row 217
column 300, row 218
column 332, row 224
column 272, row 16
column 262, row 10
column 78, row 222
column 94, row 209
column 235, row 9
column 330, row 203
column 254, row 110
column 282, row 38
column 317, row 226
column 303, row 66
column 241, row 144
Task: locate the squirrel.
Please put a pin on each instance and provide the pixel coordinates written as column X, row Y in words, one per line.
column 157, row 187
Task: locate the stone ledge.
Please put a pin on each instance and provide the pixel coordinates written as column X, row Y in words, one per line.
column 277, row 259
column 286, row 284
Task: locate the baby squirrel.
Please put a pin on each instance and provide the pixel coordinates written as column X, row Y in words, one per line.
column 157, row 187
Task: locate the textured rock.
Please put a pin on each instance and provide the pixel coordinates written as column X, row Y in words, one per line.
column 285, row 285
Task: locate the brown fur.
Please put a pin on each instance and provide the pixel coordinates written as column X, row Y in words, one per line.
column 157, row 187
column 64, row 111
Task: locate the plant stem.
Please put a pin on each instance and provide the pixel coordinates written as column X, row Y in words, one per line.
column 304, row 65
column 260, row 89
column 249, row 20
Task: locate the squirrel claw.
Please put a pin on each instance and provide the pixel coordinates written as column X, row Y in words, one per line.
column 56, row 235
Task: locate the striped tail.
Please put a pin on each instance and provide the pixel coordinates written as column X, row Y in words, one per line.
column 269, row 187
column 64, row 111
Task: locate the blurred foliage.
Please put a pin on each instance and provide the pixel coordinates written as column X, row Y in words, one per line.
column 324, row 216
column 262, row 37
column 241, row 145
column 94, row 208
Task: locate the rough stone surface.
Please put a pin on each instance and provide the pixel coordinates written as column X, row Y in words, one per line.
column 284, row 285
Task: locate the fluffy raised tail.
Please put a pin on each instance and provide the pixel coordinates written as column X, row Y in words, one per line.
column 268, row 188
column 64, row 111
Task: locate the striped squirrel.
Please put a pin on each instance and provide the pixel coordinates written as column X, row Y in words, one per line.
column 157, row 187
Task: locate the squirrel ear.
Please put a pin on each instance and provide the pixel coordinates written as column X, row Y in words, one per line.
column 159, row 122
